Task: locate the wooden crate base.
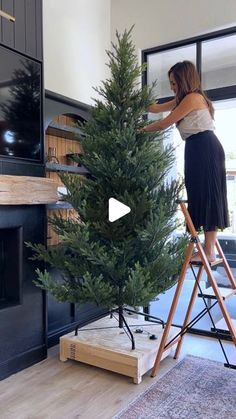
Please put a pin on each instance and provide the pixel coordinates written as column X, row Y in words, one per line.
column 104, row 345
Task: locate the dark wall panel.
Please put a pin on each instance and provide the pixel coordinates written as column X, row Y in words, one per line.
column 25, row 34
column 39, row 28
column 18, row 168
column 23, row 324
column 1, row 21
column 8, row 28
column 30, row 27
column 20, row 34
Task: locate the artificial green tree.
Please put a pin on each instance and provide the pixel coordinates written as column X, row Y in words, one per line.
column 132, row 260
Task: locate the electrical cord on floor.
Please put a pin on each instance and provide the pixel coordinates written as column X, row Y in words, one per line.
column 151, row 335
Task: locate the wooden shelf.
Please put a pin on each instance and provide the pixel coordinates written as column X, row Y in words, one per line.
column 57, row 167
column 59, row 205
column 60, row 130
column 27, row 190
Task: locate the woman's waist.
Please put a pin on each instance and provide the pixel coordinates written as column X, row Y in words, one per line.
column 201, row 134
column 204, row 140
column 208, row 133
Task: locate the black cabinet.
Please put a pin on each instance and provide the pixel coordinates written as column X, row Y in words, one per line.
column 23, row 305
column 23, row 321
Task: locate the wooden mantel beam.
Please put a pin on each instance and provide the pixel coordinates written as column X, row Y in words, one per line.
column 27, row 190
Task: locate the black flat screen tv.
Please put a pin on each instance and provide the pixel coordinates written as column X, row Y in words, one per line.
column 20, row 106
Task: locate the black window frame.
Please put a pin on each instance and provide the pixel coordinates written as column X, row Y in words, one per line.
column 221, row 93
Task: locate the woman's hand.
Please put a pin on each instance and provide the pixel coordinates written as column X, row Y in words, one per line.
column 153, row 127
column 141, row 130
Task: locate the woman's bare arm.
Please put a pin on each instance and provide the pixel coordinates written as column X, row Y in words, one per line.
column 188, row 104
column 162, row 107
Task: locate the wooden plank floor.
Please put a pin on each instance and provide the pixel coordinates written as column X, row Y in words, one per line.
column 56, row 390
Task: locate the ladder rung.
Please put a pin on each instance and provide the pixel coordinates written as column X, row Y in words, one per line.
column 231, row 366
column 199, row 263
column 169, row 345
column 224, row 292
column 221, row 326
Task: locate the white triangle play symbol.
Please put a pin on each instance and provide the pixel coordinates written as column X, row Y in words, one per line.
column 116, row 210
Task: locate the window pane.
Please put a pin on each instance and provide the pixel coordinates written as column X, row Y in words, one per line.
column 159, row 63
column 219, row 62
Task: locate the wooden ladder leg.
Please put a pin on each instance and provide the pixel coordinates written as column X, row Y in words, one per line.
column 226, row 265
column 220, row 300
column 172, row 309
column 189, row 310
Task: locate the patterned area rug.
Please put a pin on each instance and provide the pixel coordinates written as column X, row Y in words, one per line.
column 195, row 388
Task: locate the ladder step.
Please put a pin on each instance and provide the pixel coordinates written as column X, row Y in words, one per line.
column 221, row 326
column 218, row 261
column 230, row 366
column 224, row 292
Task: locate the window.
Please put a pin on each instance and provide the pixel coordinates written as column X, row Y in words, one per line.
column 159, row 63
column 214, row 55
column 219, row 62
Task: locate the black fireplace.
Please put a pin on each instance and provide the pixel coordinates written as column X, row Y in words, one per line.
column 11, row 251
column 23, row 332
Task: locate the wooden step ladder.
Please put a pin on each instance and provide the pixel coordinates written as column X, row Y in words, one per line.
column 204, row 264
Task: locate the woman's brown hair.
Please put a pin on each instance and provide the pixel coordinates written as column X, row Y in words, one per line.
column 188, row 81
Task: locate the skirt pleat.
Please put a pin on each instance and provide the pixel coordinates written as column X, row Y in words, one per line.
column 205, row 181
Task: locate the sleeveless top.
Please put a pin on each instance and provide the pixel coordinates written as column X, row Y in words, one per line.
column 195, row 122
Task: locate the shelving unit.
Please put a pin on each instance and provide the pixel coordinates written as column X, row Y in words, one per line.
column 62, row 136
column 59, row 205
column 69, row 132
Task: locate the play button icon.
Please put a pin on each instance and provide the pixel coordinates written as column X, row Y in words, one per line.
column 116, row 210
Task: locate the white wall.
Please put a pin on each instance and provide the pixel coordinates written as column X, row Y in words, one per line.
column 77, row 32
column 76, row 35
column 159, row 22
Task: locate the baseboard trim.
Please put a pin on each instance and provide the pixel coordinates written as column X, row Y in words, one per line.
column 22, row 361
column 54, row 336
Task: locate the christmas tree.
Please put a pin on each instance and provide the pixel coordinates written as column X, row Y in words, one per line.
column 132, row 260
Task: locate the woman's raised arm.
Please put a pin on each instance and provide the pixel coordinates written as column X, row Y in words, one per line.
column 162, row 107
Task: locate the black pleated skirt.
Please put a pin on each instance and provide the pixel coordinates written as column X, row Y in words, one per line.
column 205, row 181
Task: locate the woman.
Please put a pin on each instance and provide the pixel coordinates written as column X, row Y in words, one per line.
column 204, row 170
